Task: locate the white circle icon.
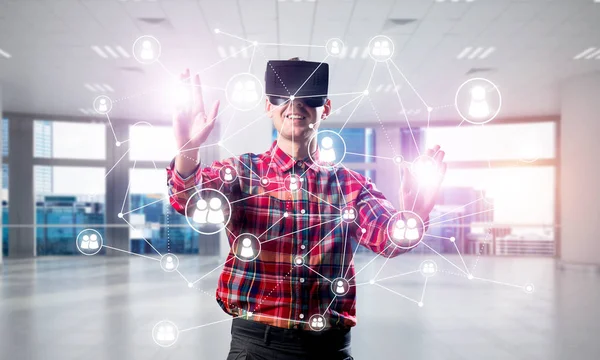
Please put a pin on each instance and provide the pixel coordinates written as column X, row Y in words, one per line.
column 340, row 286
column 428, row 268
column 169, row 262
column 102, row 104
column 425, row 169
column 478, row 101
column 165, row 333
column 334, row 47
column 528, row 288
column 406, row 229
column 298, row 261
column 332, row 149
column 244, row 91
column 208, row 211
column 89, row 242
column 246, row 247
column 349, row 214
column 317, row 322
column 293, row 183
column 228, row 174
column 146, row 49
column 381, row 48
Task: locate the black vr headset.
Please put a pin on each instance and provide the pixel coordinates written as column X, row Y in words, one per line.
column 304, row 80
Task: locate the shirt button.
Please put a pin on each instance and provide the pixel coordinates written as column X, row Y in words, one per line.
column 302, row 247
column 301, row 316
column 301, row 280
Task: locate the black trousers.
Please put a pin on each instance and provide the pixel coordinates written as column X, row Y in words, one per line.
column 255, row 341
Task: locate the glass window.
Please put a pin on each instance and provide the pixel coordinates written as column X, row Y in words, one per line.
column 155, row 220
column 495, row 142
column 69, row 140
column 152, row 143
column 69, row 196
column 5, row 137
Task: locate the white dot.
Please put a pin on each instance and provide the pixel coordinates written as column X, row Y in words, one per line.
column 298, row 261
column 366, row 92
column 285, row 214
column 429, row 108
column 420, row 304
column 310, row 126
column 219, row 143
column 453, row 239
column 118, row 143
column 372, row 281
column 470, row 276
column 303, row 247
column 255, row 43
column 363, row 230
column 301, row 316
column 217, row 31
column 302, row 211
column 190, row 285
column 120, row 215
column 292, row 97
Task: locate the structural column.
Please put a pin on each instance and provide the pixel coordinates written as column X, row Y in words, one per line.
column 116, row 189
column 580, row 171
column 21, row 209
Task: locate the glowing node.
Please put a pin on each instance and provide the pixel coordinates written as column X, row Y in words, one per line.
column 165, row 333
column 340, row 286
column 208, row 211
column 478, row 101
column 406, row 229
column 190, row 285
column 398, row 159
column 102, row 104
column 89, row 242
column 244, row 91
column 429, row 108
column 285, row 214
column 246, row 247
column 425, row 169
column 420, row 304
column 453, row 239
column 381, row 48
column 310, row 126
column 349, row 214
column 332, row 149
column 316, row 322
column 264, row 181
column 428, row 268
column 299, row 261
column 363, row 230
column 255, row 43
column 470, row 276
column 217, row 31
column 169, row 262
column 334, row 47
column 118, row 143
column 366, row 92
column 528, row 288
column 146, row 49
column 302, row 211
column 372, row 281
column 292, row 97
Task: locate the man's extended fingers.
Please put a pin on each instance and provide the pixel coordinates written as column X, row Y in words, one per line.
column 198, row 100
column 214, row 112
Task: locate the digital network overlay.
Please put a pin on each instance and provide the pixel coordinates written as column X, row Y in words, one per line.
column 477, row 101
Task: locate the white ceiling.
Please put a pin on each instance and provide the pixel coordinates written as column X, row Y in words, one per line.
column 535, row 41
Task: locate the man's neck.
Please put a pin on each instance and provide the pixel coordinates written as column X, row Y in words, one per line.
column 296, row 149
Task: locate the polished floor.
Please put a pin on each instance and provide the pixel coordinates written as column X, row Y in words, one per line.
column 105, row 308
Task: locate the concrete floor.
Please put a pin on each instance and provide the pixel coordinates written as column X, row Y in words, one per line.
column 104, row 308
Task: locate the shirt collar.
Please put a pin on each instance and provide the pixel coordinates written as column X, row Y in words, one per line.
column 285, row 162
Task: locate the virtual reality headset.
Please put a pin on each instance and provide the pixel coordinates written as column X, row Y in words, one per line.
column 306, row 80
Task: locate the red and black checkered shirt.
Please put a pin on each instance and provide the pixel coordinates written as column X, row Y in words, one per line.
column 272, row 289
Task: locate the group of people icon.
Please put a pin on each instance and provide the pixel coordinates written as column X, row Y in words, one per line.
column 381, row 48
column 317, row 322
column 89, row 242
column 147, row 52
column 326, row 152
column 247, row 252
column 340, row 288
column 349, row 214
column 479, row 107
column 228, row 176
column 335, row 47
column 406, row 231
column 245, row 92
column 165, row 333
column 169, row 263
column 428, row 268
column 209, row 212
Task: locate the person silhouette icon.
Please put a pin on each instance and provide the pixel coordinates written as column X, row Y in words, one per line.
column 250, row 94
column 247, row 251
column 340, row 287
column 293, row 183
column 102, row 106
column 160, row 334
column 169, row 334
column 201, row 212
column 147, row 50
column 351, row 214
column 335, row 47
column 399, row 230
column 169, row 264
column 228, row 175
column 238, row 92
column 385, row 48
column 479, row 107
column 215, row 213
column 376, row 51
column 85, row 242
column 313, row 323
column 320, row 323
column 94, row 242
column 327, row 153
column 346, row 214
column 412, row 233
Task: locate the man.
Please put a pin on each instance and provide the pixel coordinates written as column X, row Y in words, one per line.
column 296, row 298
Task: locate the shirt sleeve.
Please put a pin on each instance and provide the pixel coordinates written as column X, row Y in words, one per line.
column 181, row 189
column 374, row 215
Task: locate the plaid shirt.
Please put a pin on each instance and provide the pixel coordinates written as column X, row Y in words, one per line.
column 271, row 289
